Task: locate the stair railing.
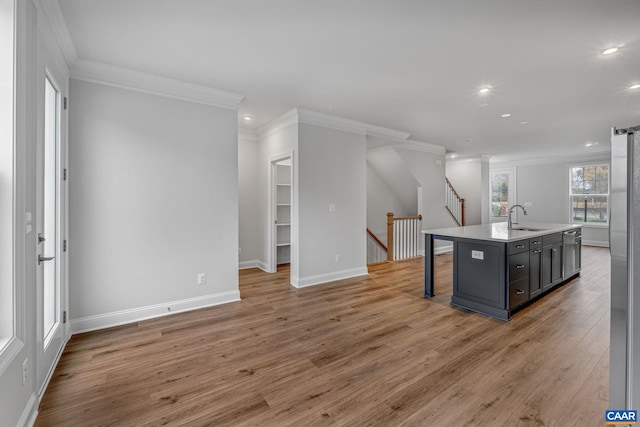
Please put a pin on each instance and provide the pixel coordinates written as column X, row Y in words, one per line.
column 376, row 250
column 403, row 236
column 454, row 203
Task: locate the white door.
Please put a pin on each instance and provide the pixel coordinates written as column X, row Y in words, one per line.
column 503, row 193
column 50, row 220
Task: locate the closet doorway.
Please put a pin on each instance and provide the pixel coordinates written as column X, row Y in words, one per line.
column 282, row 203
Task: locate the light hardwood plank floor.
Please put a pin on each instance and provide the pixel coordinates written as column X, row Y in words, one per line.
column 362, row 351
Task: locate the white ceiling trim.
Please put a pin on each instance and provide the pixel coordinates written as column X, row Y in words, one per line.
column 96, row 72
column 565, row 158
column 287, row 119
column 52, row 13
column 348, row 125
column 247, row 134
column 424, row 147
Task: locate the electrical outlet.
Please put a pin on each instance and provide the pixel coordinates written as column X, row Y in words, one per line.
column 337, row 258
column 239, row 251
column 25, row 371
column 202, row 279
column 332, row 207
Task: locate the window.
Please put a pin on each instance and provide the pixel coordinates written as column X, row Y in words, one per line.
column 6, row 171
column 589, row 194
column 502, row 193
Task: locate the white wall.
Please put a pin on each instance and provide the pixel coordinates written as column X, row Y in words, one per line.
column 430, row 175
column 545, row 184
column 153, row 202
column 278, row 139
column 380, row 200
column 248, row 202
column 466, row 178
column 332, row 170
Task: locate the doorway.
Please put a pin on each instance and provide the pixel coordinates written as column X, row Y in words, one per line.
column 50, row 218
column 282, row 212
column 503, row 193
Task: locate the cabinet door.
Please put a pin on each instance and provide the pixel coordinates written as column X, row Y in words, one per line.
column 556, row 263
column 546, row 280
column 535, row 273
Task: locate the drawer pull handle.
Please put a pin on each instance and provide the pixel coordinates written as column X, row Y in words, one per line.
column 536, row 242
column 537, row 251
column 519, row 246
column 518, row 291
column 519, row 266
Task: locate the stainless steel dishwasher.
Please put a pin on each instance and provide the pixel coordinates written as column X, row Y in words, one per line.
column 571, row 251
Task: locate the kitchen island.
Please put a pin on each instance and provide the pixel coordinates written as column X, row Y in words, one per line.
column 497, row 270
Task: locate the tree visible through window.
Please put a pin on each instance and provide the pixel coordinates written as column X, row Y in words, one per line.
column 499, row 195
column 589, row 194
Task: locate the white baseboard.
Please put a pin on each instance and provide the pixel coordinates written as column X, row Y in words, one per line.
column 303, row 282
column 107, row 320
column 243, row 265
column 443, row 249
column 263, row 266
column 601, row 244
column 30, row 413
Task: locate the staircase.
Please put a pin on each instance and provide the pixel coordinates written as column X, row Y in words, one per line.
column 454, row 203
column 403, row 240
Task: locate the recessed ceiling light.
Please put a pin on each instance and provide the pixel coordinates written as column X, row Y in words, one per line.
column 523, row 123
column 609, row 51
column 468, row 140
column 453, row 156
column 506, row 115
column 634, row 87
column 247, row 118
column 590, row 144
column 484, row 90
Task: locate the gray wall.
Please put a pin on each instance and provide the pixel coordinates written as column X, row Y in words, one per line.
column 248, row 203
column 545, row 184
column 380, row 200
column 332, row 170
column 466, row 178
column 154, row 202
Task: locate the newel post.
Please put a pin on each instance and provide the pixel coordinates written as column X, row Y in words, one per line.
column 389, row 236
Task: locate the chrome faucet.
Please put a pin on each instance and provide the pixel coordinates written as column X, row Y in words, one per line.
column 511, row 211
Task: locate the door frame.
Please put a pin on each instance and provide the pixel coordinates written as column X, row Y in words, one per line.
column 272, row 238
column 511, row 192
column 48, row 351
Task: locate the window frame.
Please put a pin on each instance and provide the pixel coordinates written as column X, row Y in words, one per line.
column 571, row 194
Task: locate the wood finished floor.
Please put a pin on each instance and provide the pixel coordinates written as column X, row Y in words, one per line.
column 362, row 351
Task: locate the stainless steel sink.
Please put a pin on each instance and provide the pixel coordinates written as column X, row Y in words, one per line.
column 527, row 229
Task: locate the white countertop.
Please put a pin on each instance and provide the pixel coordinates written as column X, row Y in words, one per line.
column 500, row 233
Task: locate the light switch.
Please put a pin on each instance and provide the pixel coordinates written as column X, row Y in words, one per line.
column 528, row 204
column 332, row 207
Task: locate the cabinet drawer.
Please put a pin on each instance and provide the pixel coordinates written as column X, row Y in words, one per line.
column 550, row 239
column 536, row 242
column 518, row 266
column 518, row 292
column 519, row 246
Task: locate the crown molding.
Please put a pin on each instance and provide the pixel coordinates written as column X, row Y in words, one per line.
column 560, row 158
column 96, row 72
column 57, row 26
column 348, row 125
column 424, row 147
column 287, row 119
column 247, row 134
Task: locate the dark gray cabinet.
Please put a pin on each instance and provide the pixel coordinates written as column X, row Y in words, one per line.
column 535, row 267
column 551, row 264
column 498, row 278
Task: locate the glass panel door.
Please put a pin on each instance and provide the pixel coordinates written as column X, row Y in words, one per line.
column 48, row 237
column 502, row 183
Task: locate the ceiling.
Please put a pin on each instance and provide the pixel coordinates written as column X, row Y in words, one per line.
column 410, row 65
